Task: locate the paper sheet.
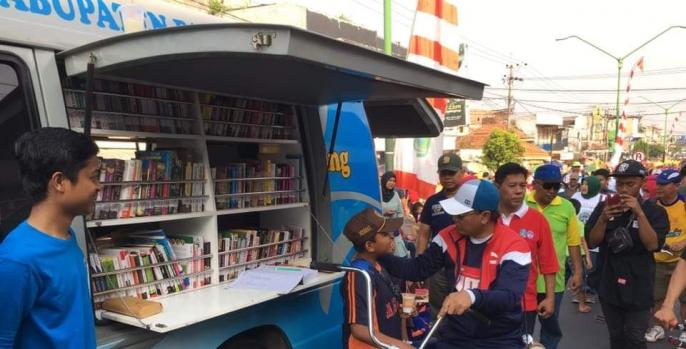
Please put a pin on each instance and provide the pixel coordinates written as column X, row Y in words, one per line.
column 273, row 278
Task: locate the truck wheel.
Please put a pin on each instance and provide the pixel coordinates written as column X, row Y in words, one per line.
column 243, row 343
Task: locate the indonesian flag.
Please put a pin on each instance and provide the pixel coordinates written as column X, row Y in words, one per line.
column 620, row 133
column 434, row 43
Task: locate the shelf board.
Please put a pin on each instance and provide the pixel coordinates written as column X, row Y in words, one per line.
column 128, row 96
column 223, row 253
column 124, row 183
column 147, row 284
column 209, row 302
column 240, row 109
column 147, row 219
column 137, row 115
column 121, row 134
column 260, row 209
column 209, row 121
column 250, row 140
column 276, row 192
column 252, row 179
column 155, row 199
column 128, row 270
column 263, row 260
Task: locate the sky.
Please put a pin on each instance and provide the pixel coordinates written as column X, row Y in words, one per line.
column 499, row 32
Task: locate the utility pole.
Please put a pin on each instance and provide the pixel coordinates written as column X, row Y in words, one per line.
column 509, row 79
column 388, row 49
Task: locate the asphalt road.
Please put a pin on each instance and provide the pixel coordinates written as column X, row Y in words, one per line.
column 586, row 331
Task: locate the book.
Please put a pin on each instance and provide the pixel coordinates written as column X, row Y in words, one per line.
column 140, row 187
column 148, row 258
column 131, row 107
column 245, row 249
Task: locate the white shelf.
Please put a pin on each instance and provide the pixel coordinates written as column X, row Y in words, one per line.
column 128, row 96
column 240, row 109
column 255, row 179
column 257, row 193
column 250, row 140
column 209, row 121
column 263, row 260
column 137, row 115
column 260, row 209
column 147, row 219
column 148, row 284
column 133, row 135
column 206, row 303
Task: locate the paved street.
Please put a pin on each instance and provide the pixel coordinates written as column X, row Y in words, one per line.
column 584, row 331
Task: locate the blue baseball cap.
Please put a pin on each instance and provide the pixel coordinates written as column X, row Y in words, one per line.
column 668, row 177
column 548, row 173
column 473, row 195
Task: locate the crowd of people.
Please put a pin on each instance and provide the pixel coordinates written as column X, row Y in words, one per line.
column 507, row 247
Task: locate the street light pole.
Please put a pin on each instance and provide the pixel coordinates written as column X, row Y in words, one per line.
column 620, row 62
column 664, row 130
column 389, row 152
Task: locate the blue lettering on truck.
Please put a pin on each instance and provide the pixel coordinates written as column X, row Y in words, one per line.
column 353, row 174
column 88, row 12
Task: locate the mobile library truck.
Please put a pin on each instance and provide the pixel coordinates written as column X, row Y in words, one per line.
column 224, row 146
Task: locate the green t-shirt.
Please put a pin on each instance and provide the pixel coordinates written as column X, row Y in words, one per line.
column 564, row 226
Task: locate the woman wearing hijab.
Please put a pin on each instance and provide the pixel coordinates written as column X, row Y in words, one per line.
column 589, row 197
column 392, row 207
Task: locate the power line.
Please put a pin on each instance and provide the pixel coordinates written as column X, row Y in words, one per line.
column 551, row 109
column 581, row 111
column 551, row 83
column 589, row 90
column 656, row 72
column 579, row 102
column 486, row 56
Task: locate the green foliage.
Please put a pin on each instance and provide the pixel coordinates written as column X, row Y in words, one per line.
column 652, row 151
column 217, row 8
column 344, row 18
column 501, row 147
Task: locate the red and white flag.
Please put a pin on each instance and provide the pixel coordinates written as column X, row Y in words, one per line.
column 434, row 43
column 621, row 131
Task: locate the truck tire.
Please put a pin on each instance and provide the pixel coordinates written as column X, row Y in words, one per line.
column 243, row 343
column 264, row 337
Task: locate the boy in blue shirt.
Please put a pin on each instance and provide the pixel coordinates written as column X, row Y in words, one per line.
column 46, row 303
column 372, row 237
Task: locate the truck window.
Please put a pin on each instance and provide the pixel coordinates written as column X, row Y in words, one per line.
column 16, row 117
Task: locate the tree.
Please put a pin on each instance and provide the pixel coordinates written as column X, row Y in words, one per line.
column 652, row 151
column 501, row 147
column 217, row 8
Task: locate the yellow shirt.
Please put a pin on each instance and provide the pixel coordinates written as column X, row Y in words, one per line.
column 677, row 229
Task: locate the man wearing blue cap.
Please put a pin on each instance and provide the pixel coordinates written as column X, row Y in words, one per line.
column 628, row 231
column 487, row 266
column 666, row 259
column 564, row 226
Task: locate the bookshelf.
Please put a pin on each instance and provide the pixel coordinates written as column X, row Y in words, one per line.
column 202, row 173
column 260, row 209
column 143, row 220
column 123, row 135
column 250, row 140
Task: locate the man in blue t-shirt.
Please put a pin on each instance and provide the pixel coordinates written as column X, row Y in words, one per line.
column 434, row 219
column 48, row 304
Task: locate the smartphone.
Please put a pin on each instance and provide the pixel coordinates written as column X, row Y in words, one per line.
column 613, row 199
